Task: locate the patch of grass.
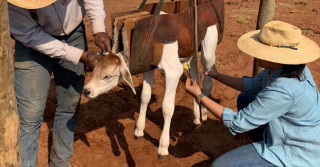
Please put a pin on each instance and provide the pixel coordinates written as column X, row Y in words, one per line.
column 283, row 5
column 246, row 31
column 297, row 11
column 248, row 11
column 241, row 19
column 303, row 3
column 278, row 16
column 220, row 66
column 308, row 32
column 231, row 3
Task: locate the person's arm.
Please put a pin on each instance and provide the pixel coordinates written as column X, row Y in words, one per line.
column 233, row 82
column 26, row 30
column 96, row 15
column 249, row 85
column 269, row 104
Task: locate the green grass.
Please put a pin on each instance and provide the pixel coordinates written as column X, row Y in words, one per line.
column 241, row 19
column 308, row 32
column 248, row 11
column 303, row 3
column 284, row 5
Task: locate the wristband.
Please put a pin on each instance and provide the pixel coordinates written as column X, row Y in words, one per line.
column 199, row 97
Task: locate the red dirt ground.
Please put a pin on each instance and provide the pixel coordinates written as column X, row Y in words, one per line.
column 104, row 136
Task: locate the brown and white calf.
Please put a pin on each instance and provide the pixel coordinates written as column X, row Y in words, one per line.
column 112, row 69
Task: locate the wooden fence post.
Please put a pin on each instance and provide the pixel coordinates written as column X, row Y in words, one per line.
column 9, row 120
column 266, row 13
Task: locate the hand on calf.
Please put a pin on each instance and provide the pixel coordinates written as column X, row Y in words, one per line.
column 90, row 59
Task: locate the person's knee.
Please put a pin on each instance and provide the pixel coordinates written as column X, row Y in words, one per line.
column 30, row 115
column 220, row 162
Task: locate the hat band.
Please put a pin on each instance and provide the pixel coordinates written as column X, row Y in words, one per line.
column 281, row 46
column 284, row 46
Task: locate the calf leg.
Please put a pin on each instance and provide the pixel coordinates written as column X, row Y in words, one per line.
column 145, row 99
column 173, row 70
column 208, row 48
column 193, row 73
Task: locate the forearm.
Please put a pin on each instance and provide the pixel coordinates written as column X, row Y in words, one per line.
column 233, row 82
column 96, row 14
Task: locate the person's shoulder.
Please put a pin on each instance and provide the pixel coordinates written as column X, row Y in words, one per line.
column 294, row 85
column 290, row 86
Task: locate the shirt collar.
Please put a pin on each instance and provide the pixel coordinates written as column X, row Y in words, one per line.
column 275, row 74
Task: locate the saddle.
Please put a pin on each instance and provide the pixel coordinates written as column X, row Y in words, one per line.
column 134, row 29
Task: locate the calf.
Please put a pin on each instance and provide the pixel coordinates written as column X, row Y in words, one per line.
column 113, row 68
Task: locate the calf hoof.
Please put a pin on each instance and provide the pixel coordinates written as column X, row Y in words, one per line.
column 138, row 137
column 197, row 126
column 162, row 157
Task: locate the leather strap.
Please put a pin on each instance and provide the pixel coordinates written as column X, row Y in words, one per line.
column 221, row 26
column 146, row 44
column 192, row 26
column 142, row 4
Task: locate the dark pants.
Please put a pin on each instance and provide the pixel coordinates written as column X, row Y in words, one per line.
column 32, row 81
column 243, row 101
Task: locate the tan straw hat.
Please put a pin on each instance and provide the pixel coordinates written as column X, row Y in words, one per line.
column 279, row 42
column 31, row 4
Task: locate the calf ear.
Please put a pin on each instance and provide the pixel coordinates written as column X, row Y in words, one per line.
column 125, row 73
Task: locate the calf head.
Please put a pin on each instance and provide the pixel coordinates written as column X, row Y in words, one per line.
column 107, row 74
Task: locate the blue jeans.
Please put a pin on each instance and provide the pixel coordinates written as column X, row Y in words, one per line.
column 243, row 156
column 32, row 81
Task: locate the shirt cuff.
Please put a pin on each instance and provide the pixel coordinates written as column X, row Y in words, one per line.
column 228, row 116
column 73, row 54
column 98, row 26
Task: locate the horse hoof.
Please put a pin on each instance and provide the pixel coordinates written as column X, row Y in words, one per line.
column 162, row 157
column 138, row 137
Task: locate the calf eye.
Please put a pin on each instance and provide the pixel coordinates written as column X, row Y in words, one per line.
column 107, row 77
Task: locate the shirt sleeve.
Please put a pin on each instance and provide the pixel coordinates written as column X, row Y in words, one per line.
column 26, row 30
column 96, row 14
column 253, row 85
column 272, row 102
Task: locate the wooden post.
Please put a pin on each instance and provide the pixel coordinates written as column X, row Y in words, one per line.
column 266, row 13
column 9, row 120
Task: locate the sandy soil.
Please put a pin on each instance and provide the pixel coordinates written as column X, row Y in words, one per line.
column 104, row 136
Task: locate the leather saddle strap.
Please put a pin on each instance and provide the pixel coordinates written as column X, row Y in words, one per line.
column 142, row 4
column 193, row 48
column 221, row 26
column 146, row 44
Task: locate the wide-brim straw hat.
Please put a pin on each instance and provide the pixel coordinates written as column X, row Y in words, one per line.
column 279, row 42
column 31, row 4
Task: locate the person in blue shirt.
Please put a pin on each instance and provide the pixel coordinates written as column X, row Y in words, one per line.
column 284, row 98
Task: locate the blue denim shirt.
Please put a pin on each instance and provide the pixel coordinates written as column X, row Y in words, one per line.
column 292, row 110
